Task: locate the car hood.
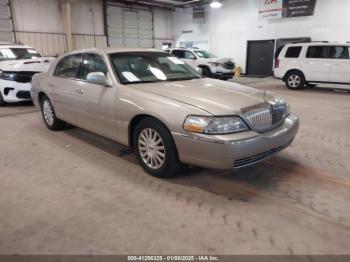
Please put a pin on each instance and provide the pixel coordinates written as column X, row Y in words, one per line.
column 214, row 96
column 219, row 60
column 31, row 65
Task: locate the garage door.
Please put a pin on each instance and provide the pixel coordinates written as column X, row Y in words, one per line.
column 129, row 27
column 6, row 29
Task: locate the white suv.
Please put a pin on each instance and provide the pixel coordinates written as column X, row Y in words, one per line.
column 310, row 63
column 212, row 66
column 18, row 64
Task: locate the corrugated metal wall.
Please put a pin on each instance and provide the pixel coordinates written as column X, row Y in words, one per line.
column 88, row 41
column 6, row 28
column 39, row 23
column 49, row 44
column 129, row 27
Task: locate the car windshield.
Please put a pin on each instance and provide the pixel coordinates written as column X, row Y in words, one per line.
column 18, row 53
column 204, row 54
column 149, row 67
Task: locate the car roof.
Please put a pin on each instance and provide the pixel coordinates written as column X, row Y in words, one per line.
column 186, row 49
column 111, row 50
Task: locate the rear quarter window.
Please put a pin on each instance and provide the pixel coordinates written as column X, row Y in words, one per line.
column 293, row 52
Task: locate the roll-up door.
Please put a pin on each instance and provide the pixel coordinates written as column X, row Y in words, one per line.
column 6, row 28
column 128, row 27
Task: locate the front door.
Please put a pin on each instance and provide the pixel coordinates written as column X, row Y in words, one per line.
column 186, row 56
column 340, row 65
column 260, row 58
column 97, row 102
column 190, row 59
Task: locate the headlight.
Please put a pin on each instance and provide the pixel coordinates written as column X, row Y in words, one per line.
column 277, row 101
column 7, row 76
column 215, row 64
column 214, row 125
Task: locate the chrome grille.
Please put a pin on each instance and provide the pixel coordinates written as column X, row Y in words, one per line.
column 265, row 116
column 260, row 118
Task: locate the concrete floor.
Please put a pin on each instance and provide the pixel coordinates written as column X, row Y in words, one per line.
column 72, row 192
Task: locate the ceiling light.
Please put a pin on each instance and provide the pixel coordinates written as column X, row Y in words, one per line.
column 215, row 4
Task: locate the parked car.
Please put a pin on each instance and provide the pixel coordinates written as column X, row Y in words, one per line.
column 211, row 66
column 18, row 64
column 159, row 106
column 312, row 63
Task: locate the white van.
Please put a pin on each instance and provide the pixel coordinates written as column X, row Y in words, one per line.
column 307, row 64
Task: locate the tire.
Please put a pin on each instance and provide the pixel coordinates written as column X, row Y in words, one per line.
column 49, row 116
column 206, row 72
column 2, row 102
column 295, row 80
column 162, row 161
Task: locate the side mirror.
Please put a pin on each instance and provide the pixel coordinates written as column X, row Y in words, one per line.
column 98, row 78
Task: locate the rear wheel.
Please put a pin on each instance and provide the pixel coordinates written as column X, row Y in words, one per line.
column 2, row 102
column 295, row 80
column 155, row 149
column 49, row 116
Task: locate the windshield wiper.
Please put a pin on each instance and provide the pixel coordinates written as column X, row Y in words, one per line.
column 183, row 78
column 143, row 82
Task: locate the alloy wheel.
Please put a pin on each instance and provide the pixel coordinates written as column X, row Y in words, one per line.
column 151, row 148
column 48, row 113
column 294, row 81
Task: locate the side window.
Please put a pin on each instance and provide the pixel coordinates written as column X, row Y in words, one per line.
column 92, row 63
column 179, row 53
column 317, row 52
column 69, row 66
column 293, row 52
column 339, row 52
column 189, row 55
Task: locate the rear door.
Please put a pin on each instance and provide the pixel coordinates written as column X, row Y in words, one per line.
column 96, row 102
column 317, row 63
column 340, row 65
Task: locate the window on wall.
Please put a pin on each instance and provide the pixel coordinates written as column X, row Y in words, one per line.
column 293, row 52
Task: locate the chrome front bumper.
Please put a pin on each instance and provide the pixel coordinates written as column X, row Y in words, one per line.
column 235, row 150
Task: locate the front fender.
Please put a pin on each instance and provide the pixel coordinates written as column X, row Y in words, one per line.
column 132, row 102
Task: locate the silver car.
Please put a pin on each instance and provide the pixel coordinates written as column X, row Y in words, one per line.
column 163, row 109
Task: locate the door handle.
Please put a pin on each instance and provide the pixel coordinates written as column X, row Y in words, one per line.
column 67, row 92
column 79, row 91
column 51, row 85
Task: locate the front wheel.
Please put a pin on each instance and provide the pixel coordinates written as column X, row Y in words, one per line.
column 206, row 72
column 155, row 149
column 49, row 116
column 295, row 80
column 2, row 102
